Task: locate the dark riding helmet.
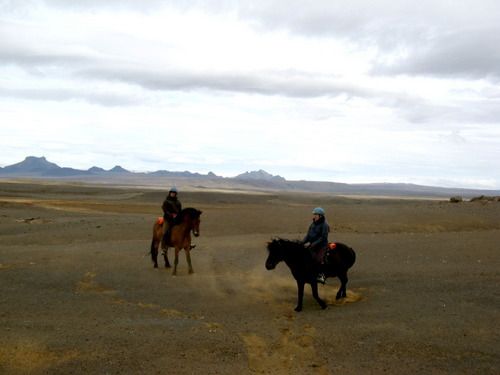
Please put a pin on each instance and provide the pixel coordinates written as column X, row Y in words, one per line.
column 173, row 189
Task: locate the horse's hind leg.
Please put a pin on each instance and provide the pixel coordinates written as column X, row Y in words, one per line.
column 314, row 287
column 343, row 285
column 188, row 258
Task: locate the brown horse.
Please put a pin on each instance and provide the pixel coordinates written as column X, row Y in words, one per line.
column 186, row 222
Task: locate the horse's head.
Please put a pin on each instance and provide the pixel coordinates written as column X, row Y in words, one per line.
column 192, row 216
column 196, row 225
column 276, row 254
column 290, row 251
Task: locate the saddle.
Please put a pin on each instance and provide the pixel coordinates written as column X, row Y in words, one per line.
column 329, row 250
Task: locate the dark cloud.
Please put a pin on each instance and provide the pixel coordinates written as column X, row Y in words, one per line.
column 435, row 36
column 465, row 53
column 440, row 38
column 21, row 45
column 33, row 58
column 290, row 84
column 60, row 95
column 421, row 111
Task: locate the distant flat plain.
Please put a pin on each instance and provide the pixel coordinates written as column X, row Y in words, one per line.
column 79, row 295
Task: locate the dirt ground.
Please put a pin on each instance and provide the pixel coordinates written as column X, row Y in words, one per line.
column 79, row 295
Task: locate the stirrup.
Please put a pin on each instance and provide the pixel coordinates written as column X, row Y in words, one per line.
column 321, row 278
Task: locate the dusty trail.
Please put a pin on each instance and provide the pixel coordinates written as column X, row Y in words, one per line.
column 79, row 296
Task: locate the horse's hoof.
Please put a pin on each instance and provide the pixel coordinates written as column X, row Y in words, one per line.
column 191, row 272
column 298, row 308
column 324, row 306
column 155, row 266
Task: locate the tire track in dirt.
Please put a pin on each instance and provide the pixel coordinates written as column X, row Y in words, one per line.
column 29, row 356
column 292, row 348
column 292, row 352
column 88, row 284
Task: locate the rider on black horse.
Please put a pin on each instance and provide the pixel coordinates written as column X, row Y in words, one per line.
column 316, row 239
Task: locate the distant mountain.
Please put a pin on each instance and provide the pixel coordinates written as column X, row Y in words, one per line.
column 31, row 164
column 260, row 175
column 40, row 167
column 34, row 166
column 118, row 169
column 96, row 170
column 174, row 174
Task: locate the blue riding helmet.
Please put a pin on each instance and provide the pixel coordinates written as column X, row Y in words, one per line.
column 318, row 211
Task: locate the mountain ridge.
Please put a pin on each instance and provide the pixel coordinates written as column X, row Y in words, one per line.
column 40, row 167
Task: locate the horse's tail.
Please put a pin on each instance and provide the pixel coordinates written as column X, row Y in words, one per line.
column 352, row 258
column 156, row 227
column 152, row 249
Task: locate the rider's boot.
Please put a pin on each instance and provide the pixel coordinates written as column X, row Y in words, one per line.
column 164, row 240
column 321, row 278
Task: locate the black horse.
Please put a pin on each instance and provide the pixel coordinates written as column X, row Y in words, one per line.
column 304, row 269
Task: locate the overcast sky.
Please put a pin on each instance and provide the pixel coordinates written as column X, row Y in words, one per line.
column 345, row 91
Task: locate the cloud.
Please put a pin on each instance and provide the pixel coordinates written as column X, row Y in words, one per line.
column 393, row 89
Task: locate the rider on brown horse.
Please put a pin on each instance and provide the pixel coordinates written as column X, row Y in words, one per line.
column 171, row 208
column 316, row 239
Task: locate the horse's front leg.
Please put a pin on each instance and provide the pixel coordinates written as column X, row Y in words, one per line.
column 300, row 295
column 176, row 260
column 314, row 287
column 188, row 259
column 165, row 256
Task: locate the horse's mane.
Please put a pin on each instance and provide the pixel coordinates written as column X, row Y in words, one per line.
column 293, row 250
column 191, row 212
column 282, row 243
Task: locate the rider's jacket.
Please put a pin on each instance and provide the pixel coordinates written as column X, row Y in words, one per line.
column 317, row 234
column 171, row 207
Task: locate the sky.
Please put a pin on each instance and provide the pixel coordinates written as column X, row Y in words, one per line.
column 346, row 91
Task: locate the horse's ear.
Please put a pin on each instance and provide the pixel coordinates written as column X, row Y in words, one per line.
column 273, row 240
